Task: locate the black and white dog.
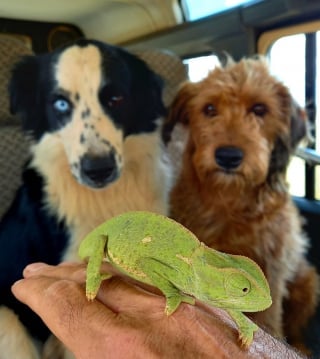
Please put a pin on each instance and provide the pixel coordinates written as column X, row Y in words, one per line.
column 94, row 112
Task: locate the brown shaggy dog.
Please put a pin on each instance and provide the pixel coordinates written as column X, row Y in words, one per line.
column 232, row 192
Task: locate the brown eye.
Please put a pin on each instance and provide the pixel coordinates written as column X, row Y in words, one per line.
column 259, row 109
column 209, row 110
column 110, row 96
column 115, row 101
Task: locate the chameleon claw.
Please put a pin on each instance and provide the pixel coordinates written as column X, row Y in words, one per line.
column 173, row 303
column 246, row 335
column 91, row 296
column 245, row 341
column 93, row 285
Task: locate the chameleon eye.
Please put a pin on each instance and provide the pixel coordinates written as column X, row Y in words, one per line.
column 237, row 285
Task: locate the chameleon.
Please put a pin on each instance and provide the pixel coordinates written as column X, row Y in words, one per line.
column 156, row 250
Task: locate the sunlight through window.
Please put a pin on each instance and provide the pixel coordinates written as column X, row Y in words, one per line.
column 197, row 9
column 199, row 67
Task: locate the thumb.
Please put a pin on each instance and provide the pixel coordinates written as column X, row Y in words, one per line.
column 63, row 307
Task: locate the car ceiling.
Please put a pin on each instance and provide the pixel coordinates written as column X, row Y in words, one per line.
column 115, row 21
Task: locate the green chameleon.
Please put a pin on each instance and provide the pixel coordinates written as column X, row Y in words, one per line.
column 156, row 250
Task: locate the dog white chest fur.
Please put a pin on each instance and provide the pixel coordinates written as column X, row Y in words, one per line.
column 142, row 185
column 94, row 112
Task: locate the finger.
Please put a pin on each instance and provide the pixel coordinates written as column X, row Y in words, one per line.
column 64, row 308
column 70, row 270
column 66, row 270
column 124, row 297
column 121, row 296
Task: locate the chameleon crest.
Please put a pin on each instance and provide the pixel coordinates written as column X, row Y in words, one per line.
column 158, row 251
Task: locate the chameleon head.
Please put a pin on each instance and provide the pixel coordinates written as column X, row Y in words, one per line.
column 238, row 284
column 247, row 293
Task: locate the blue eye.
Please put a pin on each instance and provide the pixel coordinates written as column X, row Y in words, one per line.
column 62, row 105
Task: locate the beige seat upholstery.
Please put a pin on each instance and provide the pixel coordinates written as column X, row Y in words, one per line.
column 14, row 145
column 169, row 67
column 174, row 72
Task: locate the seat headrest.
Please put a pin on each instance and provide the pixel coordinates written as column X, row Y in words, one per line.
column 11, row 50
column 169, row 66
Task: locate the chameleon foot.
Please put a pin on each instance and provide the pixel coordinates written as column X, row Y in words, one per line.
column 93, row 284
column 246, row 328
column 173, row 302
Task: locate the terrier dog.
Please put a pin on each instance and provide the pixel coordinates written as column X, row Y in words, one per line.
column 231, row 191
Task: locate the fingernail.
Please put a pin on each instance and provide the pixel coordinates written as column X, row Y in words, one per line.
column 15, row 285
column 33, row 267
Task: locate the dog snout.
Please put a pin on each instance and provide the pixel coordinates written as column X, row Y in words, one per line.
column 98, row 171
column 228, row 157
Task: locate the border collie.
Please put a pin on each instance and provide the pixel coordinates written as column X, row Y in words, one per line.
column 94, row 112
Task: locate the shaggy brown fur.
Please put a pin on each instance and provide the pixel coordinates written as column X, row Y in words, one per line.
column 232, row 192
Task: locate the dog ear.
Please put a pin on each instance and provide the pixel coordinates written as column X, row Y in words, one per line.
column 178, row 111
column 298, row 124
column 25, row 94
column 281, row 152
column 298, row 117
column 286, row 145
column 147, row 88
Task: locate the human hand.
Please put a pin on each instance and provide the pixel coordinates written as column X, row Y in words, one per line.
column 126, row 321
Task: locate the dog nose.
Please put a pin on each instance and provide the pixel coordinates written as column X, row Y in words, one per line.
column 228, row 157
column 97, row 171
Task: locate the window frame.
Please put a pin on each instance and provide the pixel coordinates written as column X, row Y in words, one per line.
column 264, row 43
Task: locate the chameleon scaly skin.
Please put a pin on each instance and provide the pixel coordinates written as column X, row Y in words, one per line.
column 156, row 250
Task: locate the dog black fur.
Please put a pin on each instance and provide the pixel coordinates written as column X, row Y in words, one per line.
column 90, row 99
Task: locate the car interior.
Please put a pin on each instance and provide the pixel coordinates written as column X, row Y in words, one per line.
column 180, row 40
